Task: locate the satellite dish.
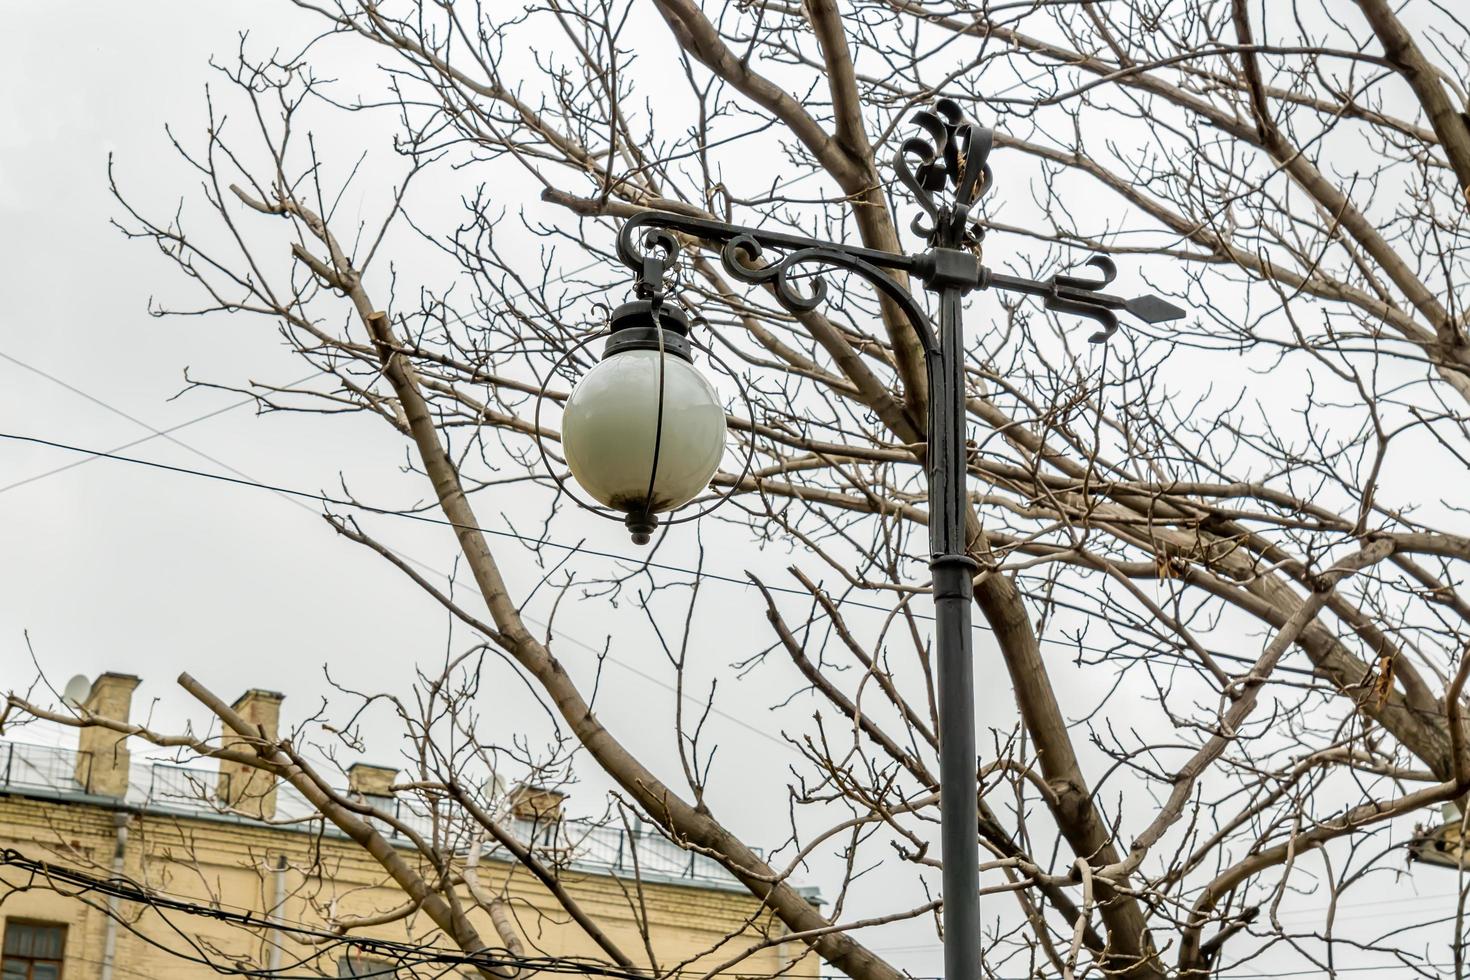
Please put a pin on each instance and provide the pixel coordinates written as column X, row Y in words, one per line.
column 492, row 791
column 494, row 787
column 76, row 691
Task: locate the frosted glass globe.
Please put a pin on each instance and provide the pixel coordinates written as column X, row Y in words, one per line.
column 610, row 423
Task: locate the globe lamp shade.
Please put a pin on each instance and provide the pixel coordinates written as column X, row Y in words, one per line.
column 643, row 431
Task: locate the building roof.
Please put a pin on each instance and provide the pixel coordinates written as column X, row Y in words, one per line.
column 190, row 792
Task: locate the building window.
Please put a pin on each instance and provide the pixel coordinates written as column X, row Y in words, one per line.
column 355, row 966
column 32, row 951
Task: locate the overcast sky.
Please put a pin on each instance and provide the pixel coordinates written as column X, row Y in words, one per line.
column 112, row 566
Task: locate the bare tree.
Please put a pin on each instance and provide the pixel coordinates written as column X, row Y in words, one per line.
column 1247, row 533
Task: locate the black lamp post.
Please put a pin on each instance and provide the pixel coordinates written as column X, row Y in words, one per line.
column 642, row 436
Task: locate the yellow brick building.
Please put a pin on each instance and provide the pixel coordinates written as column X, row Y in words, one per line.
column 226, row 839
column 1442, row 843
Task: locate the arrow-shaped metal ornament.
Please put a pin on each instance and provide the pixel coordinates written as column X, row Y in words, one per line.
column 1152, row 309
column 1083, row 297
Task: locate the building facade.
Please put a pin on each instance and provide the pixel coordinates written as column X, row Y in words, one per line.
column 256, row 878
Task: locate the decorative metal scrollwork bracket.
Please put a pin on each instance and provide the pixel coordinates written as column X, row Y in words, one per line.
column 648, row 245
column 948, row 172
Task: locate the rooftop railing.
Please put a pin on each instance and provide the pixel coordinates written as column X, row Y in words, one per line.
column 196, row 790
column 44, row 767
column 184, row 786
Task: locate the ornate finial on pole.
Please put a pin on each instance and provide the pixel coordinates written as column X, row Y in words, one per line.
column 950, row 176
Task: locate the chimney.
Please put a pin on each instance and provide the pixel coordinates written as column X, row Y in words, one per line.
column 537, row 804
column 103, row 759
column 374, row 783
column 243, row 787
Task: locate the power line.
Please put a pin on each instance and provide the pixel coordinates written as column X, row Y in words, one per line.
column 299, row 495
column 404, row 955
column 157, row 433
column 423, row 518
column 296, row 497
column 165, row 433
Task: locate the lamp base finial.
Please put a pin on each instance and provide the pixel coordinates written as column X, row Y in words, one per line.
column 641, row 524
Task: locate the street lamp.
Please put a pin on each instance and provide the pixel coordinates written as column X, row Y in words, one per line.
column 643, row 431
column 640, row 437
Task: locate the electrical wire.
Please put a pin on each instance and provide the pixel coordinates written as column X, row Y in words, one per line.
column 154, row 433
column 422, row 518
column 294, row 498
column 404, row 955
column 541, row 542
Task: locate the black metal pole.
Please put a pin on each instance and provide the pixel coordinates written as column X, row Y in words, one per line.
column 952, row 570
